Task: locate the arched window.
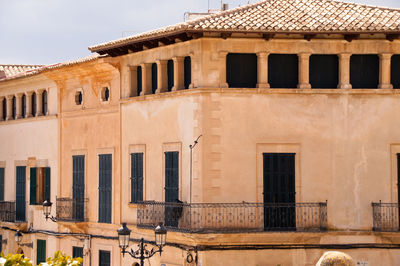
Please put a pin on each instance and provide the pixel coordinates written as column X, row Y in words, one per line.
column 78, row 98
column 14, row 107
column 105, row 94
column 23, row 105
column 33, row 101
column 4, row 108
column 44, row 102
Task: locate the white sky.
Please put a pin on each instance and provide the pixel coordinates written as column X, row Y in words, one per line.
column 52, row 31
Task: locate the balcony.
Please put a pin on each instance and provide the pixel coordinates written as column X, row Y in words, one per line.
column 7, row 211
column 233, row 217
column 385, row 217
column 71, row 210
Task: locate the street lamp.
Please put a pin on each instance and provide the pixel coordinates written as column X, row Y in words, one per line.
column 47, row 210
column 141, row 253
column 18, row 239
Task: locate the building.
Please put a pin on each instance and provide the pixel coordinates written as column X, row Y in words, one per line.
column 293, row 106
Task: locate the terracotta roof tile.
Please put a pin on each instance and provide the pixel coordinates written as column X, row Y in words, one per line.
column 11, row 70
column 283, row 16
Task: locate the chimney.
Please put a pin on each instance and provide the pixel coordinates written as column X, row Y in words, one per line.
column 225, row 7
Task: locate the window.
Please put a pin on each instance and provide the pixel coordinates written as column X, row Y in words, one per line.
column 136, row 177
column 105, row 188
column 283, row 70
column 78, row 187
column 364, row 71
column 170, row 74
column 139, row 80
column 41, row 251
column 104, row 258
column 241, row 70
column 4, row 109
column 154, row 77
column 1, row 184
column 20, row 195
column 78, row 98
column 187, row 71
column 395, row 71
column 33, row 101
column 23, row 105
column 44, row 102
column 1, row 243
column 324, row 71
column 77, row 252
column 105, row 94
column 14, row 107
column 39, row 185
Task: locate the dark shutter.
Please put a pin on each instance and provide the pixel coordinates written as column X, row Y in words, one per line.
column 44, row 102
column 364, row 71
column 241, row 70
column 77, row 252
column 170, row 74
column 41, row 251
column 1, row 184
column 105, row 187
column 14, row 107
column 139, row 80
column 283, row 70
column 154, row 77
column 23, row 106
column 136, row 177
column 187, row 71
column 395, row 71
column 33, row 186
column 78, row 187
column 33, row 104
column 1, row 243
column 171, row 176
column 324, row 71
column 4, row 109
column 104, row 258
column 20, row 200
column 47, row 186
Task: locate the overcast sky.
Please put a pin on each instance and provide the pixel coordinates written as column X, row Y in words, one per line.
column 52, row 31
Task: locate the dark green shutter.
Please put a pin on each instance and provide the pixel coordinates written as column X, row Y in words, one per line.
column 1, row 184
column 20, row 196
column 171, row 176
column 41, row 251
column 105, row 186
column 47, row 183
column 77, row 252
column 104, row 258
column 32, row 197
column 136, row 177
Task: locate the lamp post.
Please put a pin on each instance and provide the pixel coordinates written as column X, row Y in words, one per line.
column 141, row 253
column 47, row 210
column 18, row 239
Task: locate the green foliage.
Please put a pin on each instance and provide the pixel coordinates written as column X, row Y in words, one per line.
column 59, row 259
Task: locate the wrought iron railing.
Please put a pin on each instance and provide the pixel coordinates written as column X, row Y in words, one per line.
column 71, row 210
column 7, row 211
column 233, row 217
column 385, row 216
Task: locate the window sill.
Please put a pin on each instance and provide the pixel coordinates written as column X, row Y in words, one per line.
column 135, row 205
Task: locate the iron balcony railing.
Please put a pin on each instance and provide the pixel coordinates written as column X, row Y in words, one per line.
column 7, row 211
column 233, row 217
column 385, row 216
column 71, row 210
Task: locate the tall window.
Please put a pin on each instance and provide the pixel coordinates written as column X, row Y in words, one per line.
column 23, row 105
column 44, row 102
column 14, row 107
column 104, row 258
column 4, row 108
column 364, row 71
column 78, row 187
column 41, row 251
column 20, row 194
column 241, row 70
column 154, row 77
column 187, row 71
column 1, row 184
column 170, row 74
column 77, row 252
column 324, row 71
column 395, row 71
column 283, row 70
column 40, row 185
column 136, row 177
column 139, row 80
column 105, row 187
column 33, row 101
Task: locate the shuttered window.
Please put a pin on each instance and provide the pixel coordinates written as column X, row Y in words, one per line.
column 78, row 186
column 154, row 78
column 187, row 71
column 39, row 185
column 139, row 80
column 23, row 106
column 4, row 109
column 170, row 74
column 105, row 187
column 33, row 103
column 283, row 70
column 44, row 102
column 14, row 107
column 20, row 193
column 324, row 71
column 77, row 252
column 171, row 176
column 41, row 251
column 104, row 258
column 241, row 70
column 136, row 177
column 364, row 71
column 1, row 184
